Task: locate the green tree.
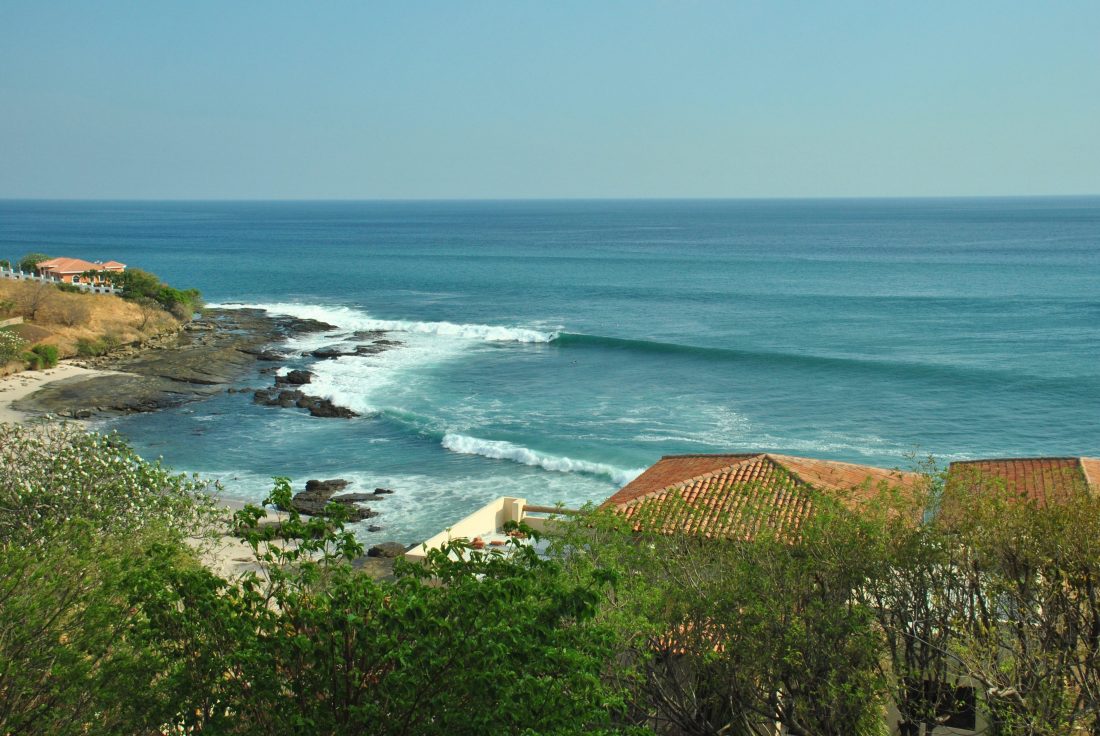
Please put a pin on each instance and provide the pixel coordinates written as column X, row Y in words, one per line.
column 138, row 285
column 30, row 261
column 737, row 636
column 470, row 643
column 1030, row 634
column 79, row 515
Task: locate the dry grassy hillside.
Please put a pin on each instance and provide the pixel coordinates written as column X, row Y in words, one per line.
column 60, row 318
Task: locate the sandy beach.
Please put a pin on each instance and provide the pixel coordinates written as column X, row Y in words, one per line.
column 20, row 385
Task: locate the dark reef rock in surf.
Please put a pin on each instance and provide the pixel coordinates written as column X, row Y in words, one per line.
column 329, row 353
column 325, row 408
column 173, row 370
column 314, row 500
column 321, row 486
column 294, row 378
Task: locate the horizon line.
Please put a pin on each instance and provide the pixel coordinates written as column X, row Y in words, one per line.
column 558, row 199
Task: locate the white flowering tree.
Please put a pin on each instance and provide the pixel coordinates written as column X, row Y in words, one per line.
column 11, row 346
column 78, row 512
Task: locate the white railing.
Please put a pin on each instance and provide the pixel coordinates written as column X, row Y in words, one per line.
column 11, row 273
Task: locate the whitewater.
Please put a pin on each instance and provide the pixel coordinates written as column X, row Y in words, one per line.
column 553, row 350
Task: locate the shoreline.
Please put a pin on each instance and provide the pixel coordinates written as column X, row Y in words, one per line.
column 17, row 386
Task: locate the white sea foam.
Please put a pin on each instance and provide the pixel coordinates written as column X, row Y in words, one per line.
column 366, row 384
column 501, row 450
column 355, row 319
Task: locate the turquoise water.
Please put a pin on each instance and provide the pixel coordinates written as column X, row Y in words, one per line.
column 554, row 349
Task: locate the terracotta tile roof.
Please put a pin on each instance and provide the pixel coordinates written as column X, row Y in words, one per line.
column 1039, row 479
column 76, row 265
column 736, row 496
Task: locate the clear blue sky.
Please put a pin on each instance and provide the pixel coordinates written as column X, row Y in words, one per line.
column 407, row 99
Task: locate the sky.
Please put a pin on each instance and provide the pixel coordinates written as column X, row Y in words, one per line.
column 152, row 99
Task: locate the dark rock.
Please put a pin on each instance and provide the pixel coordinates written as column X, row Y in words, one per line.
column 374, row 528
column 388, row 343
column 368, row 334
column 329, row 352
column 368, row 349
column 297, row 377
column 387, row 550
column 177, row 368
column 86, row 414
column 377, row 568
column 320, row 486
column 300, row 325
column 270, row 356
column 382, row 491
column 352, row 497
column 325, row 408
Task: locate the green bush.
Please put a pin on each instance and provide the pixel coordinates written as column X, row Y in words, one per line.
column 47, row 355
column 86, row 348
column 69, row 288
column 34, row 360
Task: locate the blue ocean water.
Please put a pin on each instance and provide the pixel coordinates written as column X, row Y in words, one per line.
column 554, row 349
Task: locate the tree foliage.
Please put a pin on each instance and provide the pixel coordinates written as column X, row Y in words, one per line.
column 469, row 643
column 30, row 261
column 145, row 287
column 108, row 624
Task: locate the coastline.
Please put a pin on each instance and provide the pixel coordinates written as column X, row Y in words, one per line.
column 225, row 555
column 18, row 386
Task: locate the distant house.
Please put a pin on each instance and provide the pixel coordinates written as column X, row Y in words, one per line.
column 73, row 270
column 736, row 496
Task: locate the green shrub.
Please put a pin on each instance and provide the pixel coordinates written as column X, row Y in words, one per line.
column 34, row 360
column 69, row 288
column 47, row 354
column 86, row 348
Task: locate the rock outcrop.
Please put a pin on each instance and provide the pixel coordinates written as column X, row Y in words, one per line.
column 319, row 493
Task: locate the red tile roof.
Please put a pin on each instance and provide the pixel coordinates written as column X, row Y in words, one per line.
column 1039, row 479
column 77, row 265
column 736, row 496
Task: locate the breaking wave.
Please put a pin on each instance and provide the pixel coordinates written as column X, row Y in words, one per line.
column 501, row 450
column 347, row 318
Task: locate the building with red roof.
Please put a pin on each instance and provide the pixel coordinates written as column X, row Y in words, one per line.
column 736, row 496
column 72, row 270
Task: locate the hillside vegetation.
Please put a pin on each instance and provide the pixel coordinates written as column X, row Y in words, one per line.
column 85, row 324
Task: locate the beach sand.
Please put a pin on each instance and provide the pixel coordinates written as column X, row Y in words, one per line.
column 19, row 385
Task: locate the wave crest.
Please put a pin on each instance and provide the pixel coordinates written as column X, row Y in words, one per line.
column 349, row 318
column 502, row 450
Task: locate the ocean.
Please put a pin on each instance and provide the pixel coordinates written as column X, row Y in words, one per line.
column 553, row 349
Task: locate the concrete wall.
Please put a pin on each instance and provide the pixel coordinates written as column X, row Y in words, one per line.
column 13, row 275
